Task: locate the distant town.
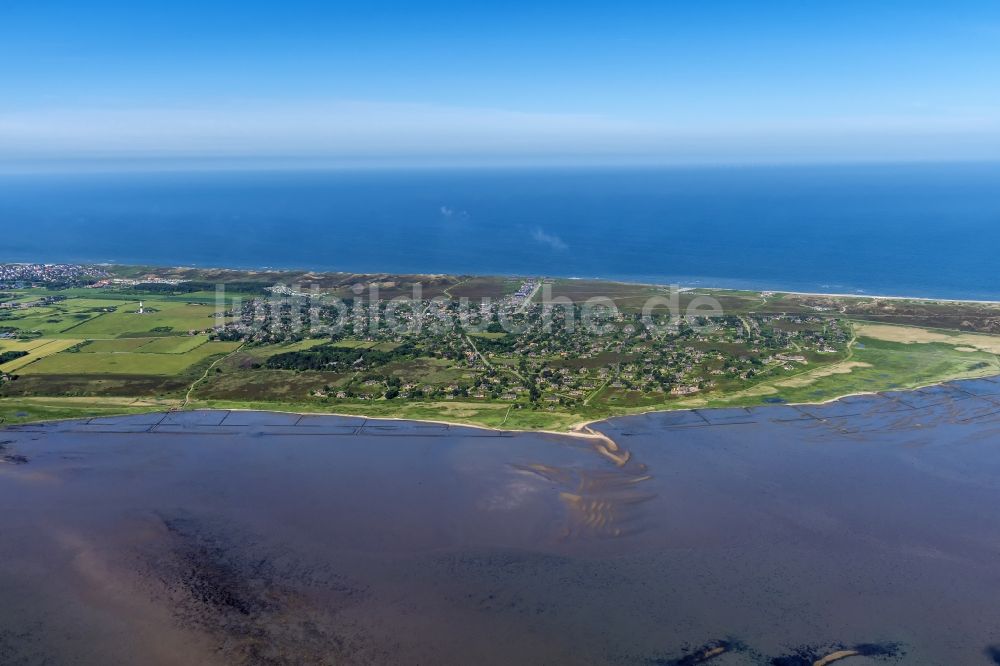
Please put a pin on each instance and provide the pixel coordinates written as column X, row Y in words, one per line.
column 21, row 275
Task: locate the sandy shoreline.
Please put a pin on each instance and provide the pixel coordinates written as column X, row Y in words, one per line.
column 761, row 292
column 581, row 430
column 680, row 286
column 924, row 299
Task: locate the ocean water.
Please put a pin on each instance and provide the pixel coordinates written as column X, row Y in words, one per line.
column 919, row 230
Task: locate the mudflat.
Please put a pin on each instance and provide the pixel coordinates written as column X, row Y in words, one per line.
column 863, row 531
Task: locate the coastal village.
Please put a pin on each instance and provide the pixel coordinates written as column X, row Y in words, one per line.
column 352, row 339
column 545, row 363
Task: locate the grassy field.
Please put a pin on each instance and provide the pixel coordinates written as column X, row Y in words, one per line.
column 114, row 345
column 913, row 335
column 366, row 344
column 259, row 354
column 174, row 345
column 13, row 344
column 40, row 348
column 169, row 345
column 48, row 321
column 168, row 317
column 137, row 362
column 28, row 410
column 92, row 318
column 879, row 361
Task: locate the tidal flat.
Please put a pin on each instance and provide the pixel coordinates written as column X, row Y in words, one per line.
column 860, row 531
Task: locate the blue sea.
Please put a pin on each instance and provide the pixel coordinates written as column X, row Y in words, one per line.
column 918, row 230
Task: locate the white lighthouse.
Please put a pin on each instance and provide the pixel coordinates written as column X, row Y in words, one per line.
column 141, row 310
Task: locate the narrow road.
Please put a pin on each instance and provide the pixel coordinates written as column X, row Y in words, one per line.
column 489, row 365
column 506, row 416
column 597, row 390
column 187, row 396
column 746, row 325
column 447, row 291
column 476, row 351
column 527, row 300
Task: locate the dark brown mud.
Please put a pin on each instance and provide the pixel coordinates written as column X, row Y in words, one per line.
column 859, row 532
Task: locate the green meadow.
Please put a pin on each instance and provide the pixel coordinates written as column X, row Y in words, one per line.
column 138, row 362
column 874, row 365
column 165, row 317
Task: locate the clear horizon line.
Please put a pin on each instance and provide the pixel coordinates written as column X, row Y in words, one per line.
column 159, row 164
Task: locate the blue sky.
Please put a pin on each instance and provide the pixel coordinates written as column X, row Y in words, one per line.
column 499, row 82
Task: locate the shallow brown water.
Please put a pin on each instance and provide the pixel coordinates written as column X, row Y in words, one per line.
column 771, row 535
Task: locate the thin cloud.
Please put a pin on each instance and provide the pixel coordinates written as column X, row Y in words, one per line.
column 449, row 213
column 553, row 241
column 358, row 132
column 332, row 128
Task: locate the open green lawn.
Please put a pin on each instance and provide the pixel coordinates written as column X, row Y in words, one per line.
column 114, row 345
column 13, row 344
column 354, row 344
column 173, row 345
column 126, row 363
column 45, row 347
column 47, row 320
column 177, row 344
column 169, row 318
